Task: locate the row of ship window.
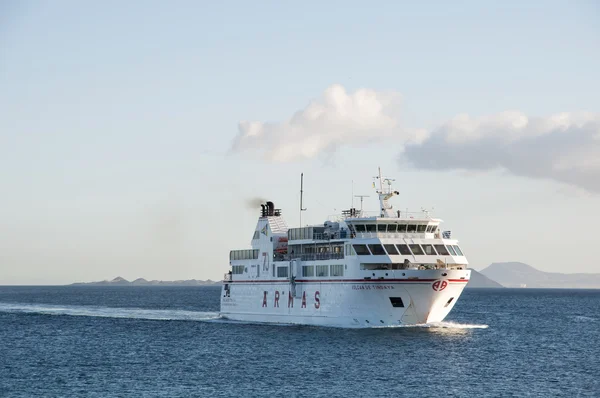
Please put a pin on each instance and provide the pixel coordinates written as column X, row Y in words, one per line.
column 249, row 254
column 307, row 270
column 408, row 250
column 237, row 269
column 314, row 270
column 323, row 270
column 393, row 228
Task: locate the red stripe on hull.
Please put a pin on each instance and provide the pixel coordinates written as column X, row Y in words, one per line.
column 352, row 281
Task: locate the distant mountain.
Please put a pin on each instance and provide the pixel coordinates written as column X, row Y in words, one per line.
column 515, row 274
column 118, row 281
column 478, row 280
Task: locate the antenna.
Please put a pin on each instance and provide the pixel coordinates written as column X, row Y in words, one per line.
column 301, row 194
column 384, row 194
column 381, row 181
column 361, row 201
column 424, row 210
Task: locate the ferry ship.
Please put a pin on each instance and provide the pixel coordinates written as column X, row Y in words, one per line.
column 354, row 270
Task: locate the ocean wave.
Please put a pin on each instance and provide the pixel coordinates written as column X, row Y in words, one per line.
column 109, row 312
column 582, row 318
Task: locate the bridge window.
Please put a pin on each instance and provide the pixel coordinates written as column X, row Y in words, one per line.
column 282, row 272
column 429, row 250
column 371, row 228
column 322, row 270
column 411, row 228
column 381, row 227
column 404, row 250
column 421, row 228
column 433, row 228
column 417, row 250
column 337, row 269
column 391, row 249
column 360, row 228
column 402, row 228
column 441, row 249
column 361, row 250
column 429, row 228
column 392, row 227
column 451, row 250
column 458, row 251
column 377, row 250
column 308, row 270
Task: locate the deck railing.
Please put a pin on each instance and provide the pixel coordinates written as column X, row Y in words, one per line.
column 397, row 235
column 317, row 256
column 404, row 215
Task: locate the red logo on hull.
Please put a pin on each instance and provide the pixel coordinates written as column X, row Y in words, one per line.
column 438, row 286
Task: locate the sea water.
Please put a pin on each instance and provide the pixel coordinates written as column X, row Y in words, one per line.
column 170, row 342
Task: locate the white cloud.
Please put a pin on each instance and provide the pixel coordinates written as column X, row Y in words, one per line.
column 563, row 147
column 336, row 118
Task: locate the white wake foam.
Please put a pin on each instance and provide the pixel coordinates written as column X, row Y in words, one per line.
column 436, row 325
column 109, row 312
column 174, row 315
column 454, row 325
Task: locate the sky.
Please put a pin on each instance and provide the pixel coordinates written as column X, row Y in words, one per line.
column 135, row 136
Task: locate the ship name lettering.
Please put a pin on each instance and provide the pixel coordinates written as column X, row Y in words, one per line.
column 370, row 287
column 264, row 304
column 303, row 300
column 277, row 296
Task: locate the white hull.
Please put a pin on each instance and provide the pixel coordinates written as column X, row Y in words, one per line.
column 348, row 302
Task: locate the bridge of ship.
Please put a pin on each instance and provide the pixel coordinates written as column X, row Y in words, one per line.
column 373, row 237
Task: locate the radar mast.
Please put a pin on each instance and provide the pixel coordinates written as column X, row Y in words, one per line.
column 385, row 192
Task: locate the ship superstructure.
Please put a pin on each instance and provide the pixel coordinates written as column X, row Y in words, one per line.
column 354, row 270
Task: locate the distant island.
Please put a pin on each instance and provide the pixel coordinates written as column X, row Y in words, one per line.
column 521, row 275
column 118, row 281
column 496, row 275
column 516, row 274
